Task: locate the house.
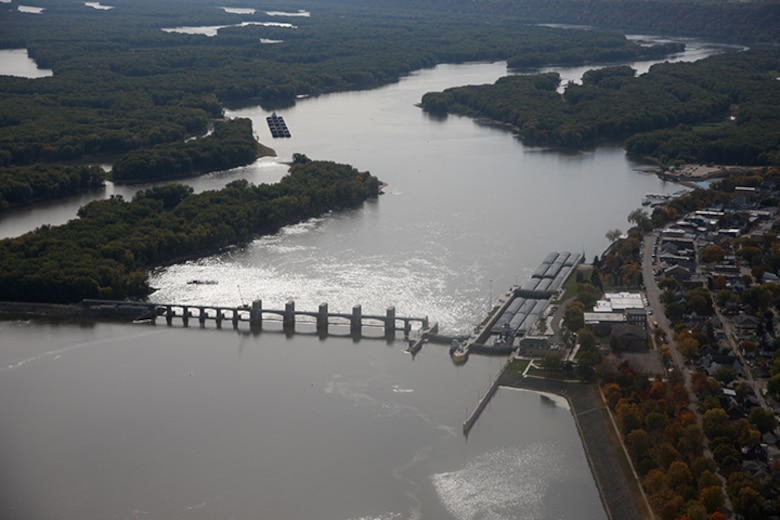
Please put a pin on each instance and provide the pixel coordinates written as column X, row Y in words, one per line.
column 746, row 322
column 696, row 280
column 770, row 278
column 536, row 346
column 677, row 272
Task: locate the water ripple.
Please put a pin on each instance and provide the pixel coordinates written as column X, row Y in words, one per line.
column 504, row 484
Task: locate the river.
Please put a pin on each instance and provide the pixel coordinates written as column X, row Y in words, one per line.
column 113, row 421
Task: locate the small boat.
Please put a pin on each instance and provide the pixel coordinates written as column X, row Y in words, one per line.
column 202, row 282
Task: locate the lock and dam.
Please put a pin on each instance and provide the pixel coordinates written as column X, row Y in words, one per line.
column 515, row 314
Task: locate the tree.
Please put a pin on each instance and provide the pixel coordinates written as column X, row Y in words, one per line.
column 696, row 510
column 712, row 253
column 573, row 316
column 551, row 361
column 679, row 474
column 689, row 347
column 586, row 363
column 712, row 498
column 640, row 219
column 587, row 340
column 699, row 301
column 638, row 444
column 587, row 294
column 747, row 502
column 613, row 235
column 773, row 385
column 595, row 279
column 762, row 419
column 725, row 375
column 708, row 478
column 628, row 417
column 715, row 423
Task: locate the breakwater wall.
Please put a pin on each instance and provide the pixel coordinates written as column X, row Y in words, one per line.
column 483, row 401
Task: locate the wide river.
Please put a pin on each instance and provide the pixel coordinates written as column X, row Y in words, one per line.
column 113, row 421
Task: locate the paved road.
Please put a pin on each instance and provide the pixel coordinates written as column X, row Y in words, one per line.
column 654, row 297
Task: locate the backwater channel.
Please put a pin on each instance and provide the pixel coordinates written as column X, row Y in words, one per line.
column 115, row 421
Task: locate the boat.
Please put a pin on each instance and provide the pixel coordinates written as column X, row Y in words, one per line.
column 202, row 282
column 654, row 199
column 277, row 126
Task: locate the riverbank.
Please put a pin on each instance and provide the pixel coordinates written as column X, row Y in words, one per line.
column 700, row 172
column 66, row 312
column 618, row 488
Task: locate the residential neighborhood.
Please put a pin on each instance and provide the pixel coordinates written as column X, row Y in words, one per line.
column 709, row 263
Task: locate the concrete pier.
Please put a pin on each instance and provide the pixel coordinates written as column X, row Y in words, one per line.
column 483, row 402
column 256, row 315
column 356, row 323
column 288, row 319
column 390, row 323
column 322, row 318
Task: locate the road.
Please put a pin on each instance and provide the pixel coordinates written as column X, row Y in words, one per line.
column 654, row 297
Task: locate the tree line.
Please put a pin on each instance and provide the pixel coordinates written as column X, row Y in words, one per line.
column 106, row 252
column 737, row 21
column 231, row 144
column 721, row 109
column 27, row 184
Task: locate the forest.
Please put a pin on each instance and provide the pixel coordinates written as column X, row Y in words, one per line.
column 124, row 90
column 724, row 109
column 746, row 21
column 231, row 144
column 107, row 251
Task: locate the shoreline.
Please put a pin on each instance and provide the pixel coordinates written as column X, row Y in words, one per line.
column 618, row 489
column 692, row 173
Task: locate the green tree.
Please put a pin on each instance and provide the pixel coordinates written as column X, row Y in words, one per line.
column 640, row 219
column 613, row 235
column 551, row 361
column 638, row 444
column 587, row 340
column 763, row 420
column 573, row 318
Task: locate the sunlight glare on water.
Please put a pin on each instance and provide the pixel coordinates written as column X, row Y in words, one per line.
column 509, row 483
